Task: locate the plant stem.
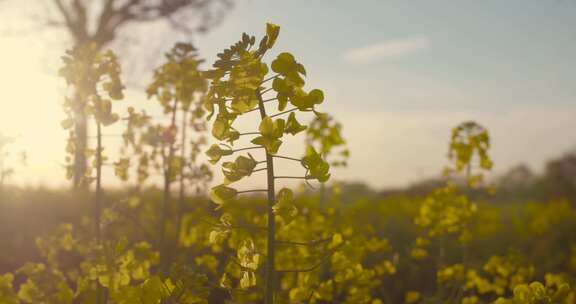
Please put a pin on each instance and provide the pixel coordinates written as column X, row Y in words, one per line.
column 266, row 80
column 322, row 195
column 80, row 140
column 265, row 91
column 465, row 245
column 271, row 233
column 166, row 199
column 181, row 194
column 98, row 204
column 291, row 177
column 252, row 191
column 286, row 157
column 325, row 258
column 270, row 99
column 249, row 133
column 309, row 243
column 245, row 227
column 285, row 112
column 98, row 200
column 248, row 148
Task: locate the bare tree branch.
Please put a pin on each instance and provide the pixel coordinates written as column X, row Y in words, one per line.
column 187, row 16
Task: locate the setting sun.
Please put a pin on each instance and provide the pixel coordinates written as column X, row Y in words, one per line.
column 30, row 98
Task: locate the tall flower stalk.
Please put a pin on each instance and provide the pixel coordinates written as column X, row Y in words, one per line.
column 95, row 79
column 242, row 83
column 178, row 86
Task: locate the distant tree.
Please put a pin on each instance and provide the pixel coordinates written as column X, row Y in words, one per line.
column 425, row 186
column 350, row 191
column 98, row 22
column 560, row 177
column 517, row 178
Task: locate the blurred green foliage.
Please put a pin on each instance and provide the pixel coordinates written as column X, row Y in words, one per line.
column 513, row 245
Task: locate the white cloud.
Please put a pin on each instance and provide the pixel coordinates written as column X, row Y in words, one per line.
column 389, row 48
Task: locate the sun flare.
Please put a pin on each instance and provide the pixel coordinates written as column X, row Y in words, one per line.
column 29, row 100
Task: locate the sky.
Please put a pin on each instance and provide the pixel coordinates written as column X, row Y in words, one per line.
column 397, row 74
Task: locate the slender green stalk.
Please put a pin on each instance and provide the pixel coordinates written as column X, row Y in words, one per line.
column 164, row 250
column 98, row 200
column 271, row 233
column 289, row 158
column 80, row 141
column 181, row 194
column 285, row 112
column 268, row 79
column 290, row 177
column 464, row 245
column 248, row 148
column 100, row 296
column 465, row 253
column 252, row 191
column 323, row 196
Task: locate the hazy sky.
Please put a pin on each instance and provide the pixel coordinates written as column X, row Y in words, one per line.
column 397, row 74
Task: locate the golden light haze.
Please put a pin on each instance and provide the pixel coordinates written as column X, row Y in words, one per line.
column 29, row 110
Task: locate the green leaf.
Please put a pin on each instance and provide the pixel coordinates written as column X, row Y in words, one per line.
column 266, row 126
column 215, row 153
column 153, row 290
column 218, row 235
column 316, row 96
column 222, row 194
column 284, row 207
column 233, row 136
column 121, row 168
column 319, row 169
column 271, row 128
column 522, row 292
column 240, row 168
column 225, row 282
column 272, row 31
column 248, row 279
column 293, row 126
column 272, row 145
column 221, row 128
column 247, row 255
column 279, row 85
column 271, row 131
column 7, row 293
column 244, row 104
column 284, row 63
column 282, row 101
column 67, row 123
